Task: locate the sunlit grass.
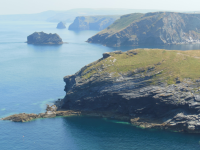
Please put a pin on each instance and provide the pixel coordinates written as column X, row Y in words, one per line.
column 172, row 64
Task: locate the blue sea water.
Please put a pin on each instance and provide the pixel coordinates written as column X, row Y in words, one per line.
column 32, row 76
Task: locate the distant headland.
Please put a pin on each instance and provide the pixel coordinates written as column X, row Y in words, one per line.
column 157, row 28
column 93, row 22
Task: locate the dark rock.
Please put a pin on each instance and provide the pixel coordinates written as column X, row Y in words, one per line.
column 44, row 38
column 61, row 25
column 106, row 55
column 51, row 111
column 153, row 106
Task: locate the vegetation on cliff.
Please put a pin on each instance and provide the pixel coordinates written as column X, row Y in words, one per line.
column 151, row 28
column 169, row 66
column 153, row 88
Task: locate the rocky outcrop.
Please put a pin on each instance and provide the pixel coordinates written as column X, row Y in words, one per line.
column 157, row 28
column 92, row 22
column 136, row 95
column 44, row 38
column 61, row 25
column 51, row 112
column 23, row 117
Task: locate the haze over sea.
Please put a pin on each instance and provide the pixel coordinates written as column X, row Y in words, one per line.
column 32, row 76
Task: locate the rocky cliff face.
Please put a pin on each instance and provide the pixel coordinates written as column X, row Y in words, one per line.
column 61, row 25
column 141, row 94
column 151, row 28
column 92, row 22
column 44, row 38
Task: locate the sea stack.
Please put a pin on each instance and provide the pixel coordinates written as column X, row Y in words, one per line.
column 44, row 38
column 61, row 25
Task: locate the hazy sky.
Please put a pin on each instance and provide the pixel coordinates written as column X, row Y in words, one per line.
column 36, row 6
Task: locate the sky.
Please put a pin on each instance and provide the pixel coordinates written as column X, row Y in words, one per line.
column 37, row 6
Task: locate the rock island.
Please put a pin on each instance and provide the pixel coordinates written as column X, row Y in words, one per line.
column 61, row 25
column 44, row 38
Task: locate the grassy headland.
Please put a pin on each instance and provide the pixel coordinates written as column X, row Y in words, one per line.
column 168, row 66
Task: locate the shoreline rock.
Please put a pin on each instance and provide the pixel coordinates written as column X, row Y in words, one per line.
column 143, row 122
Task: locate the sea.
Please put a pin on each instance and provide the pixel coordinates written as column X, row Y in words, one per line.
column 31, row 76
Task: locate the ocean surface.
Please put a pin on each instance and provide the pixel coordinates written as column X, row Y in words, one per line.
column 31, row 76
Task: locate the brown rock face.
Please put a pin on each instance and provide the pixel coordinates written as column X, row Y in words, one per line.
column 152, row 28
column 21, row 117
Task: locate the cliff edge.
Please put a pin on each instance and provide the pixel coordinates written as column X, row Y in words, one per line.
column 151, row 28
column 152, row 88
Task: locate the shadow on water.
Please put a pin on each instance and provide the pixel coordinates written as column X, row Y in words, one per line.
column 44, row 47
column 182, row 47
column 82, row 32
column 113, row 135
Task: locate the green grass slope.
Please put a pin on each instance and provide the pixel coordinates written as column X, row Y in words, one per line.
column 124, row 21
column 167, row 66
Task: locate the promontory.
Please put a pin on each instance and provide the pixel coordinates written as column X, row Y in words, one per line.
column 93, row 22
column 44, row 38
column 150, row 88
column 156, row 28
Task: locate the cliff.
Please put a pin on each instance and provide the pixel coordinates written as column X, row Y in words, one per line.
column 92, row 22
column 69, row 15
column 61, row 25
column 151, row 28
column 44, row 38
column 151, row 88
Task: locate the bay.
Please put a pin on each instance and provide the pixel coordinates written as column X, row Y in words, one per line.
column 32, row 76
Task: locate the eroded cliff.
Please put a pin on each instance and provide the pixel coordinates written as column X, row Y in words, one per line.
column 152, row 88
column 151, row 28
